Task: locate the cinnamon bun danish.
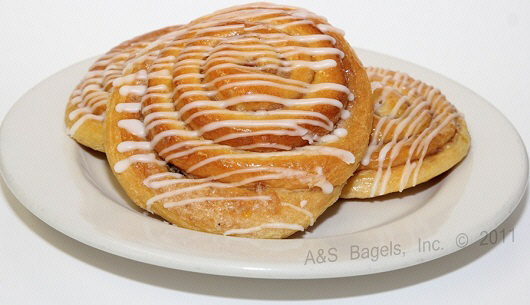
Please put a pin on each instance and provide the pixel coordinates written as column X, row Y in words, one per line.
column 87, row 106
column 416, row 135
column 245, row 122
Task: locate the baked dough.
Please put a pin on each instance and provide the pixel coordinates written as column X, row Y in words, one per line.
column 87, row 107
column 245, row 122
column 416, row 135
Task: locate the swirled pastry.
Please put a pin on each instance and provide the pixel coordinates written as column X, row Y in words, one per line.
column 87, row 106
column 246, row 122
column 416, row 135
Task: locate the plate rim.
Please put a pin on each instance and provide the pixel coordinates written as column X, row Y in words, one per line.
column 240, row 270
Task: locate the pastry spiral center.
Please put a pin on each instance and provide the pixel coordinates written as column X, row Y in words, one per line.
column 258, row 86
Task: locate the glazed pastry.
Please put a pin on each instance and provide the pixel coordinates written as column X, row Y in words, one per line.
column 87, row 106
column 416, row 135
column 245, row 122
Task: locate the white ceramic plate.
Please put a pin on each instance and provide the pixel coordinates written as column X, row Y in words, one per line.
column 73, row 190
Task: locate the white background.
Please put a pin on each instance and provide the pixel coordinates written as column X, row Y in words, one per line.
column 483, row 46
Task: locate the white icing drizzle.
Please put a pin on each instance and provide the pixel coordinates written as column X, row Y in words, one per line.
column 183, row 144
column 124, row 164
column 83, row 118
column 301, row 210
column 280, row 132
column 133, row 126
column 128, row 107
column 281, row 173
column 152, row 181
column 328, row 28
column 203, row 199
column 192, row 99
column 91, row 96
column 327, row 121
column 250, row 98
column 264, row 145
column 134, row 145
column 72, row 115
column 120, row 81
column 340, row 132
column 272, row 225
column 425, row 104
column 346, row 156
column 136, row 90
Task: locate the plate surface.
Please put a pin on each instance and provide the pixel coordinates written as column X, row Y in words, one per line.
column 73, row 190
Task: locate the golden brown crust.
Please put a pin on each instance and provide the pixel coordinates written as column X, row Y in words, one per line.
column 437, row 137
column 283, row 191
column 88, row 106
